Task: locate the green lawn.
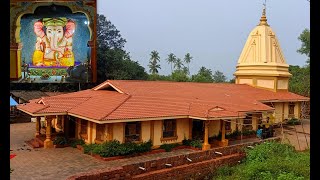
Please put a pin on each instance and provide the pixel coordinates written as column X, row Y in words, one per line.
column 268, row 161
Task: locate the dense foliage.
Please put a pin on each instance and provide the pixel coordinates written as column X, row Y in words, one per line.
column 75, row 142
column 270, row 160
column 115, row 148
column 113, row 62
column 169, row 147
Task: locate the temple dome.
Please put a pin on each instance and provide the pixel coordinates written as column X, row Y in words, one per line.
column 261, row 56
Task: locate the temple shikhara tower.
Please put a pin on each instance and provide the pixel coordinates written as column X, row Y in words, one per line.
column 261, row 63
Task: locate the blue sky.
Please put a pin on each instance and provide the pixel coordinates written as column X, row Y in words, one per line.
column 213, row 32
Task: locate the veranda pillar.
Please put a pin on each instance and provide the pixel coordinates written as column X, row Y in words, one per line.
column 206, row 144
column 37, row 126
column 48, row 142
column 224, row 142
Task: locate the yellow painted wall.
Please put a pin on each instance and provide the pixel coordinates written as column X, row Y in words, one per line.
column 145, row 130
column 94, row 131
column 233, row 125
column 282, row 84
column 245, row 81
column 214, row 128
column 118, row 131
column 278, row 112
column 182, row 129
column 265, row 83
column 254, row 122
column 157, row 132
column 286, row 110
column 297, row 110
column 78, row 125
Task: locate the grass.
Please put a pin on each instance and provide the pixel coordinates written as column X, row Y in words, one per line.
column 270, row 160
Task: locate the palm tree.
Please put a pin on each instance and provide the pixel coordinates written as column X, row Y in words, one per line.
column 171, row 59
column 178, row 64
column 153, row 63
column 187, row 59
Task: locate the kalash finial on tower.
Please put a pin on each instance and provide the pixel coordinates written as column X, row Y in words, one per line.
column 263, row 19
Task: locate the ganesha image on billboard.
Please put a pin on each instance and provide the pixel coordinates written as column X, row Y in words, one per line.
column 54, row 42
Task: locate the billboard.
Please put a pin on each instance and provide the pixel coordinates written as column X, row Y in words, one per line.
column 54, row 44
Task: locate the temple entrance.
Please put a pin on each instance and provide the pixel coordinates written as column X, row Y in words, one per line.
column 197, row 129
column 70, row 127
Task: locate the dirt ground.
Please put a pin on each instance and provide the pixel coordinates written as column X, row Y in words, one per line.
column 298, row 135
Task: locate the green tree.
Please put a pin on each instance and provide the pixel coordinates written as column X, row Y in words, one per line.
column 171, row 60
column 305, row 46
column 108, row 36
column 178, row 64
column 219, row 77
column 153, row 63
column 113, row 62
column 203, row 75
column 179, row 76
column 187, row 59
column 300, row 80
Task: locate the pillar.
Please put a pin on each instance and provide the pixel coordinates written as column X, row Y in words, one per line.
column 37, row 127
column 110, row 132
column 48, row 143
column 92, row 46
column 152, row 131
column 224, row 142
column 206, row 144
column 15, row 61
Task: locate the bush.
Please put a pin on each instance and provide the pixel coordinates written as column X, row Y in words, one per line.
column 196, row 144
column 248, row 132
column 60, row 140
column 115, row 148
column 269, row 160
column 169, row 147
column 294, row 121
column 186, row 142
column 88, row 148
column 74, row 142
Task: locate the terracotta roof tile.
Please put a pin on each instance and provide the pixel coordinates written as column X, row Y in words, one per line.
column 152, row 99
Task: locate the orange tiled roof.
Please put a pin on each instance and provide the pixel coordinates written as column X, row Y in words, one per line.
column 157, row 99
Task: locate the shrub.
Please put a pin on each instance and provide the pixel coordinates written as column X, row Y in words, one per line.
column 88, row 148
column 74, row 142
column 294, row 121
column 115, row 148
column 248, row 132
column 60, row 140
column 196, row 144
column 169, row 147
column 270, row 160
column 186, row 142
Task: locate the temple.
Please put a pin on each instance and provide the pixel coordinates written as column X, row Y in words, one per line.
column 169, row 112
column 49, row 39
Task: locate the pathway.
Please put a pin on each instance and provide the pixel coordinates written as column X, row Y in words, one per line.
column 45, row 164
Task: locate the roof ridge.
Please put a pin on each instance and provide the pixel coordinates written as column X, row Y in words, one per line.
column 129, row 96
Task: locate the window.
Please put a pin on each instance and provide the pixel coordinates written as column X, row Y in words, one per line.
column 84, row 127
column 228, row 126
column 291, row 110
column 100, row 132
column 132, row 131
column 169, row 128
column 247, row 123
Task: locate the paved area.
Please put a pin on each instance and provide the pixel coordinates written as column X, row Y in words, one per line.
column 298, row 135
column 52, row 164
column 45, row 164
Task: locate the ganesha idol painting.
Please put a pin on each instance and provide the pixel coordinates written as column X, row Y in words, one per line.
column 54, row 42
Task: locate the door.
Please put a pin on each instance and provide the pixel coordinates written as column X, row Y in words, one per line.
column 70, row 127
column 197, row 129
